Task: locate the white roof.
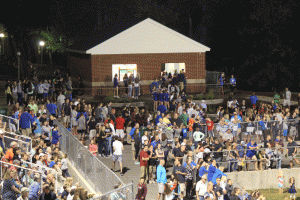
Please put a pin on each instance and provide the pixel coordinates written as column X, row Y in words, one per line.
column 148, row 36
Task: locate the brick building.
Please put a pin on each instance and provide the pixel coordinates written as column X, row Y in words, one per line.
column 147, row 48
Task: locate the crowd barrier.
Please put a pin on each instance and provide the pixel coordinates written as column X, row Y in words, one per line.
column 245, row 130
column 25, row 177
column 97, row 174
column 12, row 123
column 275, row 156
column 42, row 169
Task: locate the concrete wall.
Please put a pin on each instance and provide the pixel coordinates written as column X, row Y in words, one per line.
column 266, row 179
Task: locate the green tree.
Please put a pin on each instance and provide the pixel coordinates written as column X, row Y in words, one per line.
column 54, row 41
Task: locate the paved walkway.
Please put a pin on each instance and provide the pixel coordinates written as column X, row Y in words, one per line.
column 132, row 172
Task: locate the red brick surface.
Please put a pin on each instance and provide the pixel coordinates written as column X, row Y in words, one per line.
column 99, row 68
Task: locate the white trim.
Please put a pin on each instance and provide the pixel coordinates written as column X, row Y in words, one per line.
column 148, row 36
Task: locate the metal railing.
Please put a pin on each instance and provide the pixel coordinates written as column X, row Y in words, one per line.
column 22, row 141
column 244, row 130
column 274, row 156
column 11, row 122
column 97, row 174
column 122, row 192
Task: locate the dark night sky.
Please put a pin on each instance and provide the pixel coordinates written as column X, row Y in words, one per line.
column 257, row 41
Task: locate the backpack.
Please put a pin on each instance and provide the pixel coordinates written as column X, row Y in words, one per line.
column 240, row 149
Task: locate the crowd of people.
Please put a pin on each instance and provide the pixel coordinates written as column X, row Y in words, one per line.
column 39, row 171
column 176, row 134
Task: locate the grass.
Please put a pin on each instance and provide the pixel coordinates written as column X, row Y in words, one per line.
column 272, row 194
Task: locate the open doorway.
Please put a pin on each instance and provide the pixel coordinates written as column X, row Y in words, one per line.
column 122, row 69
column 174, row 67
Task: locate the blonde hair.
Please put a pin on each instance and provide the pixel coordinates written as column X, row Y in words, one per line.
column 223, row 178
column 226, row 116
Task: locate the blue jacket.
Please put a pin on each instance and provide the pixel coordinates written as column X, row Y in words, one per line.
column 211, row 171
column 26, row 120
column 132, row 133
column 217, row 174
column 161, row 174
column 253, row 99
column 55, row 137
column 51, row 108
column 202, row 170
column 152, row 86
column 157, row 119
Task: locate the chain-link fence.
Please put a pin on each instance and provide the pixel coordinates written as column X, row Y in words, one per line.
column 15, row 177
column 122, row 192
column 98, row 175
column 24, row 145
column 11, row 123
column 24, row 142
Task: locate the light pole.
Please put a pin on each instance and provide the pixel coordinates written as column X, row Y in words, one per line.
column 19, row 54
column 42, row 43
column 2, row 45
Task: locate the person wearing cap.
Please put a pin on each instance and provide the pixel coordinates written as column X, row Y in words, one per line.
column 24, row 194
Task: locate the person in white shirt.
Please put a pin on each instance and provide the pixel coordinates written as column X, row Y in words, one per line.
column 203, row 104
column 287, row 100
column 201, row 188
column 77, row 102
column 60, row 101
column 117, row 155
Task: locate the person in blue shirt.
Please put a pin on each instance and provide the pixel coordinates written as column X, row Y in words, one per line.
column 211, row 170
column 162, row 108
column 35, row 188
column 154, row 85
column 158, row 116
column 116, row 86
column 52, row 108
column 166, row 99
column 26, row 122
column 232, row 84
column 38, row 129
column 155, row 141
column 55, row 136
column 161, row 96
column 221, row 84
column 202, row 169
column 251, row 152
column 253, row 100
column 181, row 79
column 155, row 98
column 161, row 175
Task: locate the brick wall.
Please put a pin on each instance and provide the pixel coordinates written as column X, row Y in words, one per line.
column 149, row 65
